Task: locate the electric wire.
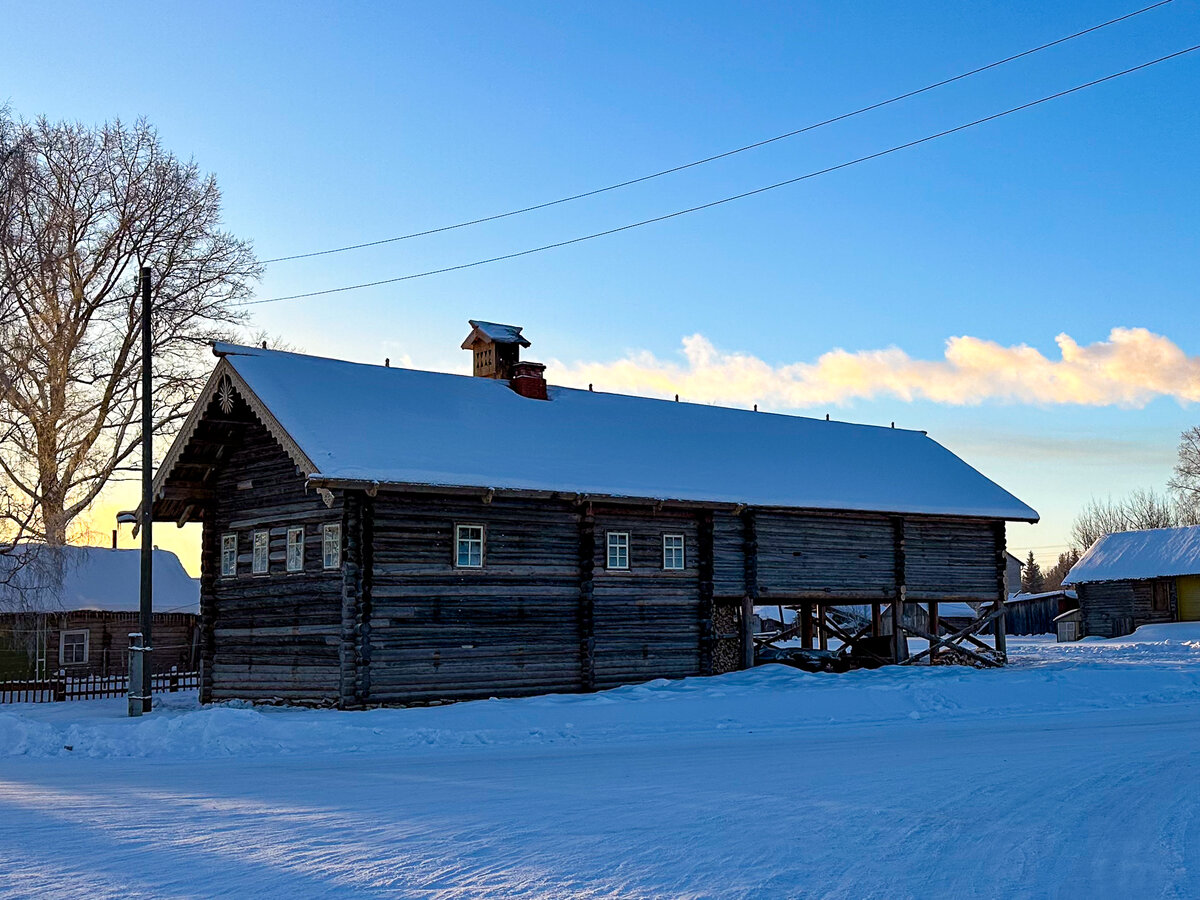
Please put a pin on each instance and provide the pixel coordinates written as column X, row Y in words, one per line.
column 730, row 199
column 708, row 159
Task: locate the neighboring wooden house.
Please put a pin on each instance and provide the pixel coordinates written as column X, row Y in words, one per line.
column 381, row 535
column 1134, row 578
column 71, row 610
column 1036, row 613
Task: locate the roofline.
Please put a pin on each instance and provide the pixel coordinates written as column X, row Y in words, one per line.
column 373, row 486
column 225, row 369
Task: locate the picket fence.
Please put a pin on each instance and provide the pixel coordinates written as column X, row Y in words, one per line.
column 91, row 687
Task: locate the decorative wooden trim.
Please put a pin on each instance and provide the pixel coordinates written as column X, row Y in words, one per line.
column 224, row 376
column 587, row 600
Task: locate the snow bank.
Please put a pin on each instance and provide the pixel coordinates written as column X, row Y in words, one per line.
column 1161, row 661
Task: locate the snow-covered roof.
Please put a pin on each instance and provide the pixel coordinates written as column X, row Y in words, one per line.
column 95, row 578
column 1132, row 555
column 356, row 422
column 495, row 332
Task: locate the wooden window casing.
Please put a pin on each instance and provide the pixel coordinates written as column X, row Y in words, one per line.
column 674, row 553
column 617, row 545
column 72, row 648
column 468, row 546
column 229, row 552
column 331, row 546
column 295, row 549
column 260, row 563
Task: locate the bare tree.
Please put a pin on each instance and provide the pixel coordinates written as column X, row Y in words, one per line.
column 80, row 209
column 1185, row 483
column 1140, row 509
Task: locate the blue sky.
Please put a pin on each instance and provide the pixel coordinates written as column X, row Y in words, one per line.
column 328, row 124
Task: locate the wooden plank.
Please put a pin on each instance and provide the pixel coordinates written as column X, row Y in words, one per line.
column 750, row 552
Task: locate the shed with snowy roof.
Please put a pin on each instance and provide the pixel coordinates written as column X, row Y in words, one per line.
column 375, row 534
column 1134, row 578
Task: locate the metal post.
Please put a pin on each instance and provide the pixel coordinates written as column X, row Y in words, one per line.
column 146, row 617
column 138, row 697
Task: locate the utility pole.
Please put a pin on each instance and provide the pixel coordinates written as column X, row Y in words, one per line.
column 140, row 655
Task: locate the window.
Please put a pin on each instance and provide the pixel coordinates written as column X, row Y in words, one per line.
column 468, row 540
column 295, row 550
column 618, row 550
column 262, row 548
column 673, row 551
column 331, row 546
column 72, row 647
column 228, row 554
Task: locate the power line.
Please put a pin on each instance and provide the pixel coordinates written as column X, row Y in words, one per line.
column 727, row 153
column 741, row 196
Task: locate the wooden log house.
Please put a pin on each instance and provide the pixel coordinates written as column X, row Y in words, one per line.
column 1136, row 578
column 380, row 535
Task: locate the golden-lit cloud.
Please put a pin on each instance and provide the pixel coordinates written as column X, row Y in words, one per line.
column 1131, row 368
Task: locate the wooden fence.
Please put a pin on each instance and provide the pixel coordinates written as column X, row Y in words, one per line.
column 91, row 687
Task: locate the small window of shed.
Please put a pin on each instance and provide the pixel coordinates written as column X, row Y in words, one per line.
column 618, row 550
column 331, row 545
column 228, row 555
column 468, row 549
column 673, row 559
column 262, row 549
column 295, row 550
column 72, row 647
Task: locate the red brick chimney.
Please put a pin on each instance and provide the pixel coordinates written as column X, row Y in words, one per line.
column 529, row 380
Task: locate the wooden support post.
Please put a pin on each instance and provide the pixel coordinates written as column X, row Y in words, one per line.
column 704, row 566
column 822, row 631
column 806, row 628
column 1001, row 596
column 750, row 556
column 351, row 587
column 933, row 627
column 587, row 599
column 876, row 619
column 899, row 644
column 362, row 623
column 210, row 564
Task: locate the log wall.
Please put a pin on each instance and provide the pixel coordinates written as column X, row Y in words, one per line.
column 274, row 636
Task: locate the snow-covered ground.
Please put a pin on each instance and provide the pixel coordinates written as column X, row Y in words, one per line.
column 1074, row 772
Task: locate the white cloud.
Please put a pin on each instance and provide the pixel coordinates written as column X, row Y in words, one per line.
column 1131, row 368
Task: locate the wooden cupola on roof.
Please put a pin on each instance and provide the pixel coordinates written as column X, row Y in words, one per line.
column 496, row 348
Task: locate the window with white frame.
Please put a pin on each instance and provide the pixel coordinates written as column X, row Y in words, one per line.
column 618, row 550
column 331, row 545
column 228, row 554
column 262, row 553
column 72, row 647
column 673, row 552
column 295, row 550
column 468, row 546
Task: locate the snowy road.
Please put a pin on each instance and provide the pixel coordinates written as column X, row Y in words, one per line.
column 1074, row 773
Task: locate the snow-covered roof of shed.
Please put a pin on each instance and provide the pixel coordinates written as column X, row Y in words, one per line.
column 496, row 333
column 359, row 422
column 94, row 578
column 1133, row 555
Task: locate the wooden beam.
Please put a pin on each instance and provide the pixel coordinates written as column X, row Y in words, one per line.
column 1001, row 566
column 899, row 645
column 806, row 629
column 750, row 559
column 876, row 619
column 933, row 626
column 587, row 602
column 352, row 549
column 705, row 563
column 363, row 620
column 822, row 631
column 210, row 565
